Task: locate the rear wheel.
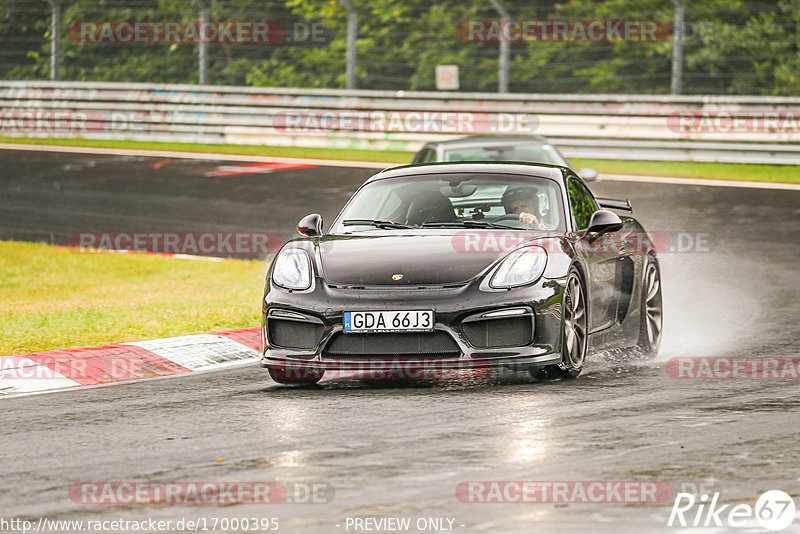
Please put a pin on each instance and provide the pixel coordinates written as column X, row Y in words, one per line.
column 299, row 376
column 651, row 310
column 574, row 331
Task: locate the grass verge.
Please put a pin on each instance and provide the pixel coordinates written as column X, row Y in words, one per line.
column 246, row 150
column 712, row 171
column 690, row 169
column 82, row 299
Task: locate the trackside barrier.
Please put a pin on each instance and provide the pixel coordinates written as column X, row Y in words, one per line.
column 650, row 127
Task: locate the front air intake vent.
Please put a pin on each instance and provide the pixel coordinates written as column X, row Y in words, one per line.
column 499, row 333
column 437, row 344
column 289, row 334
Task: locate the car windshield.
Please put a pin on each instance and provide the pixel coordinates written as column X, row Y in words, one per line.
column 532, row 152
column 454, row 200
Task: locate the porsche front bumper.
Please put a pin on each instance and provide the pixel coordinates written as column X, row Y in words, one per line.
column 313, row 335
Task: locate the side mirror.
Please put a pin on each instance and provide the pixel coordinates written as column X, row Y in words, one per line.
column 603, row 221
column 588, row 174
column 310, row 225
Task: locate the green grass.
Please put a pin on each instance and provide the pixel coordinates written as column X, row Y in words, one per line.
column 714, row 171
column 55, row 298
column 246, row 150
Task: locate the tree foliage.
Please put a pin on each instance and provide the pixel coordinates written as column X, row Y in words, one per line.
column 731, row 46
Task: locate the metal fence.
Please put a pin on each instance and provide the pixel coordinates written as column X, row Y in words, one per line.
column 523, row 46
column 679, row 128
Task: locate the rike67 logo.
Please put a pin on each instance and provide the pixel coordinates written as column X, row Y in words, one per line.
column 774, row 510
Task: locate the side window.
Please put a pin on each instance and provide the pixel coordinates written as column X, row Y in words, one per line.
column 581, row 203
column 429, row 156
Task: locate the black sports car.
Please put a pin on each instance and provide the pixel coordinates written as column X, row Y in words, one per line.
column 462, row 265
column 524, row 148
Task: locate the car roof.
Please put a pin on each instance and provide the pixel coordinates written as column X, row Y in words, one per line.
column 491, row 140
column 542, row 170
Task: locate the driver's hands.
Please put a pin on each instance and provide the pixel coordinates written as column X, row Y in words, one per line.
column 530, row 219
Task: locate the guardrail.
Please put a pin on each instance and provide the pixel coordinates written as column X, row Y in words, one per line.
column 589, row 126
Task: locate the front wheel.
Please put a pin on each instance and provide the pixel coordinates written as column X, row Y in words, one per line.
column 651, row 310
column 298, row 376
column 574, row 331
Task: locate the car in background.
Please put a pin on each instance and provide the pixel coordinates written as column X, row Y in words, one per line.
column 437, row 264
column 525, row 148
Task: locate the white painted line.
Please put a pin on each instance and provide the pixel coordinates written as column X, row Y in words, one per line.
column 9, row 392
column 196, row 155
column 43, row 378
column 696, row 181
column 197, row 258
column 91, row 250
column 200, row 351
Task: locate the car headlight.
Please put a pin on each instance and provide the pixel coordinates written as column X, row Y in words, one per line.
column 292, row 269
column 521, row 267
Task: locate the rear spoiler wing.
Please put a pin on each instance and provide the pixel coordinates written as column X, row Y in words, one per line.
column 614, row 203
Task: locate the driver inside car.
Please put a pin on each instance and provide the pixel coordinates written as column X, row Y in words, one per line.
column 524, row 202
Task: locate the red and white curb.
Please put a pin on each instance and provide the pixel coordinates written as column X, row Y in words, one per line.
column 254, row 168
column 59, row 369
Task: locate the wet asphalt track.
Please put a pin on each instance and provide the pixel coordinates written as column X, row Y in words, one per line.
column 400, row 449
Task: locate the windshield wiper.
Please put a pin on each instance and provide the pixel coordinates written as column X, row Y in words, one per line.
column 379, row 223
column 466, row 224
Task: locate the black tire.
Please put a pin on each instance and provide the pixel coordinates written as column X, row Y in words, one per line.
column 574, row 331
column 651, row 310
column 297, row 376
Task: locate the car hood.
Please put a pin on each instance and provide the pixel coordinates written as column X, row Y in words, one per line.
column 422, row 260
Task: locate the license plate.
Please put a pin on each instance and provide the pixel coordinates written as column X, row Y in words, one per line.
column 388, row 321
